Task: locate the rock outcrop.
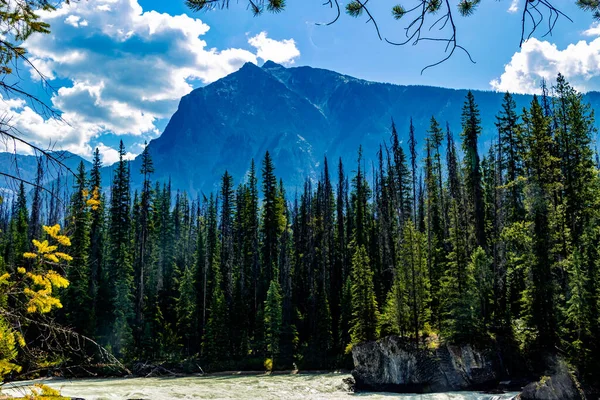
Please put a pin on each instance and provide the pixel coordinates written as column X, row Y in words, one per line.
column 395, row 364
column 560, row 384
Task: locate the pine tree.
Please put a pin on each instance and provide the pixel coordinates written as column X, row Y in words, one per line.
column 510, row 144
column 365, row 313
column 216, row 344
column 471, row 129
column 270, row 224
column 273, row 320
column 143, row 232
column 226, row 234
column 77, row 297
column 119, row 263
column 412, row 142
column 186, row 310
column 416, row 277
column 434, row 207
column 19, row 229
column 401, row 178
column 36, row 203
column 543, row 171
column 98, row 286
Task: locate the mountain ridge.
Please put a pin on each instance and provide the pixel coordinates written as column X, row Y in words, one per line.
column 301, row 115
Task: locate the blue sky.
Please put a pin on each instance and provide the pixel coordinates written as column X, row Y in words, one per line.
column 119, row 67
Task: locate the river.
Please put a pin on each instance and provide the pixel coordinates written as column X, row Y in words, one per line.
column 287, row 387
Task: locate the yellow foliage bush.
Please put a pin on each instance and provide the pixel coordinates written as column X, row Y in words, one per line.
column 269, row 364
column 39, row 286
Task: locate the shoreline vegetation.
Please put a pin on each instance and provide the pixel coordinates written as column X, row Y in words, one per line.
column 431, row 243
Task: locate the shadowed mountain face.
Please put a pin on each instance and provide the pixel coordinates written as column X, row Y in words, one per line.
column 299, row 115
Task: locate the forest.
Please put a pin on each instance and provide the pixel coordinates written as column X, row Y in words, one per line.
column 431, row 241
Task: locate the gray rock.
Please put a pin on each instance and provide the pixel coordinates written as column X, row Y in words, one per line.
column 561, row 384
column 395, row 364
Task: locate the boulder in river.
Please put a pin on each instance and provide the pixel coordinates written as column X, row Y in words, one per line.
column 396, row 364
column 559, row 384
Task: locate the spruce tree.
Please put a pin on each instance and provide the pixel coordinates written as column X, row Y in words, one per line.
column 78, row 297
column 119, row 262
column 365, row 313
column 273, row 320
column 471, row 129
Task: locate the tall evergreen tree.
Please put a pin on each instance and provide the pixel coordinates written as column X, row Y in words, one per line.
column 365, row 311
column 78, row 296
column 119, row 263
column 471, row 129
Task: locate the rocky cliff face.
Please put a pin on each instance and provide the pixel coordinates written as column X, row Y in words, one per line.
column 394, row 364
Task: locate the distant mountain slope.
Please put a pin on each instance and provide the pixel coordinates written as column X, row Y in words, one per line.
column 25, row 167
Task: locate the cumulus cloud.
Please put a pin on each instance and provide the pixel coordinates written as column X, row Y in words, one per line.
column 537, row 60
column 110, row 156
column 514, row 6
column 126, row 69
column 46, row 133
column 593, row 30
column 283, row 52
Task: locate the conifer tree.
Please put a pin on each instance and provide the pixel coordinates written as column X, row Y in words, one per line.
column 143, row 232
column 365, row 313
column 401, row 178
column 19, row 229
column 270, row 223
column 99, row 287
column 543, row 172
column 434, row 209
column 510, row 160
column 416, row 276
column 412, row 142
column 273, row 319
column 78, row 297
column 471, row 129
column 36, row 203
column 119, row 263
column 186, row 311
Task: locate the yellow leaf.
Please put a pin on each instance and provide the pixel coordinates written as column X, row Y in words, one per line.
column 21, row 270
column 51, row 257
column 64, row 240
column 52, row 230
column 63, row 256
column 29, row 255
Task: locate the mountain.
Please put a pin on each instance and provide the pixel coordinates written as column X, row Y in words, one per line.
column 299, row 115
column 25, row 167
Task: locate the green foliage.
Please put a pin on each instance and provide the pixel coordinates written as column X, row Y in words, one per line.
column 465, row 304
column 364, row 305
column 273, row 320
column 398, row 11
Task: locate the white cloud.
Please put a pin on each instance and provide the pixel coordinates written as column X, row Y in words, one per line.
column 593, row 30
column 46, row 133
column 127, row 69
column 75, row 21
column 514, row 6
column 110, row 156
column 283, row 52
column 537, row 60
